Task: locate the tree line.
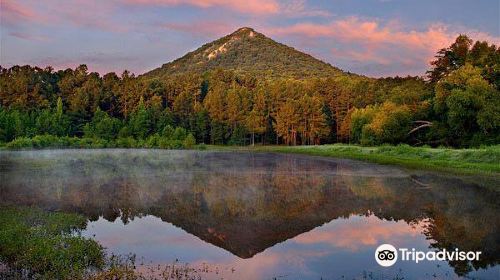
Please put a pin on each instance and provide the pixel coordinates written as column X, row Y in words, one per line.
column 456, row 104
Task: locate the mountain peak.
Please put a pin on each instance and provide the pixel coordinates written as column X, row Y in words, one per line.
column 244, row 31
column 246, row 50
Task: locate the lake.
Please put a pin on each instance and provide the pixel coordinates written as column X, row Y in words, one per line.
column 241, row 215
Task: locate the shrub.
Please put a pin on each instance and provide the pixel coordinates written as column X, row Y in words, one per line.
column 179, row 134
column 127, row 142
column 167, row 132
column 42, row 245
column 189, row 141
column 152, row 141
column 44, row 141
column 19, row 143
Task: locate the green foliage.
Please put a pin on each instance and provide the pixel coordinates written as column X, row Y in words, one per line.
column 359, row 119
column 21, row 142
column 44, row 246
column 388, row 123
column 35, row 244
column 469, row 105
column 200, row 126
column 179, row 134
column 140, row 122
column 238, row 136
column 182, row 140
column 464, row 51
column 102, row 126
column 189, row 141
column 218, row 132
column 10, row 125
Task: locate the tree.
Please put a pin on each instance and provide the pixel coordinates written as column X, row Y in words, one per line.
column 140, row 121
column 255, row 123
column 215, row 106
column 359, row 119
column 287, row 121
column 386, row 123
column 313, row 120
column 450, row 59
column 102, row 126
column 53, row 122
column 189, row 141
column 183, row 108
column 256, row 119
column 468, row 104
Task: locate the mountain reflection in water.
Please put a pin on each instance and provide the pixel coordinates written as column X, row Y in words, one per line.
column 331, row 213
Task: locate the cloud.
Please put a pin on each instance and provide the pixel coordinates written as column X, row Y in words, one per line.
column 371, row 34
column 78, row 13
column 258, row 7
column 380, row 43
column 288, row 8
column 359, row 233
column 201, row 28
column 298, row 8
column 14, row 12
column 90, row 14
column 29, row 37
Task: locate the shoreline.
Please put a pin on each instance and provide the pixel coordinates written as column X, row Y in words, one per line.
column 473, row 161
column 482, row 161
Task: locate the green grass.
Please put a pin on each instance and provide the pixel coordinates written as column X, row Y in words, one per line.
column 480, row 161
column 41, row 245
column 36, row 244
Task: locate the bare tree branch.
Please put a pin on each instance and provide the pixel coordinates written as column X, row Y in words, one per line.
column 424, row 124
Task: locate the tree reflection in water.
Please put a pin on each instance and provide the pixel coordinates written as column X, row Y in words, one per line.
column 245, row 203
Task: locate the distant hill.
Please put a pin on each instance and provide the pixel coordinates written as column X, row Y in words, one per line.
column 246, row 50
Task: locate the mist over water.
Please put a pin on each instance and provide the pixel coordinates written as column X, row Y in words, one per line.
column 261, row 215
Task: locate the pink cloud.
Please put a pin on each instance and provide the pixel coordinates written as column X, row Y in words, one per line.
column 370, row 33
column 77, row 13
column 298, row 8
column 360, row 56
column 372, row 41
column 13, row 12
column 211, row 28
column 29, row 37
column 62, row 12
column 251, row 7
column 359, row 233
column 263, row 265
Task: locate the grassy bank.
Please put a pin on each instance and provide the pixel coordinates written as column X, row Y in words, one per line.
column 480, row 161
column 473, row 161
column 40, row 245
column 36, row 244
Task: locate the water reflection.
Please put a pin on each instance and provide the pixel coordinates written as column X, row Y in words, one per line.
column 331, row 213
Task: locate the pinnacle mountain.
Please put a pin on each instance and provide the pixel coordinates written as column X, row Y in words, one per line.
column 248, row 51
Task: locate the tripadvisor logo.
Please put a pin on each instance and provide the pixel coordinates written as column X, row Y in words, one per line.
column 387, row 255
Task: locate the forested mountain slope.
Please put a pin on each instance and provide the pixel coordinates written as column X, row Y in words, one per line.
column 247, row 51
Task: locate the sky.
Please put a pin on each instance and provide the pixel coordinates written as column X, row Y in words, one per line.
column 371, row 37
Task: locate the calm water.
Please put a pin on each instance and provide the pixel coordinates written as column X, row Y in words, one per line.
column 262, row 216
